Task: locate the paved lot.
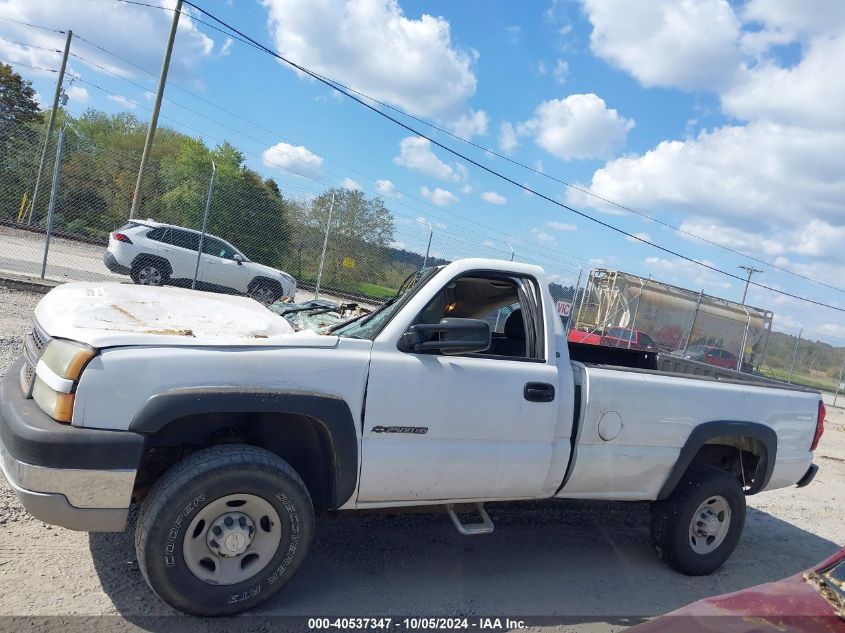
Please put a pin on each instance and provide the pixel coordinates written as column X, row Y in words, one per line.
column 587, row 561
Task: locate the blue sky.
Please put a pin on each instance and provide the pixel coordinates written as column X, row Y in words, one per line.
column 722, row 118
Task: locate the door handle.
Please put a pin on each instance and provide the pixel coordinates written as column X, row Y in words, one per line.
column 539, row 392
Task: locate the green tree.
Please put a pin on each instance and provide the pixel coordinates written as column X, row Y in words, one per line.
column 17, row 98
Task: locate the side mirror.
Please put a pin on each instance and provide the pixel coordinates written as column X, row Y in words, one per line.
column 450, row 336
column 238, row 258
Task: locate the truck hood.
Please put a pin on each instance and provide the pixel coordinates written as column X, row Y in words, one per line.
column 113, row 314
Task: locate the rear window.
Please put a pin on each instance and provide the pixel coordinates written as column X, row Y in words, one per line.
column 186, row 239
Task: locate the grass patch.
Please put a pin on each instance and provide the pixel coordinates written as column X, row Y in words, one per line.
column 798, row 379
column 380, row 292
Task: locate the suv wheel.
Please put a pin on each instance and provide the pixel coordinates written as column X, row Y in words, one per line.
column 265, row 292
column 224, row 530
column 697, row 527
column 149, row 273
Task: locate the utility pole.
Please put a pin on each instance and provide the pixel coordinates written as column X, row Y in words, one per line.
column 323, row 255
column 512, row 251
column 750, row 270
column 151, row 131
column 51, row 121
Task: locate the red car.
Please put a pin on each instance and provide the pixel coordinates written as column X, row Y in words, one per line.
column 808, row 602
column 579, row 336
column 712, row 356
column 628, row 338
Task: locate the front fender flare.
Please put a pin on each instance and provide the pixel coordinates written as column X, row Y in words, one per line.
column 332, row 415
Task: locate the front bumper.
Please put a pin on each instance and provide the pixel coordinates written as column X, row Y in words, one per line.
column 78, row 478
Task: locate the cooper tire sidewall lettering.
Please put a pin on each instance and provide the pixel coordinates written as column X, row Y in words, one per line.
column 172, row 570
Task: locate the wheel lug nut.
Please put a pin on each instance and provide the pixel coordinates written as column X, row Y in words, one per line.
column 229, row 523
column 217, row 531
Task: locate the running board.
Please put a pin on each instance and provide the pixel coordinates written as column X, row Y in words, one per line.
column 485, row 526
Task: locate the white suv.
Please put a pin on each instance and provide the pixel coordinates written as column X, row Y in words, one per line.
column 154, row 254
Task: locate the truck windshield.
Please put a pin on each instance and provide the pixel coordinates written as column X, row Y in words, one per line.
column 368, row 325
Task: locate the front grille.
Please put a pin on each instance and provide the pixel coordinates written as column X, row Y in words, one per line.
column 33, row 346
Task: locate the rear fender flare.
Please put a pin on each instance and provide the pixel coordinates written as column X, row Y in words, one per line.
column 721, row 428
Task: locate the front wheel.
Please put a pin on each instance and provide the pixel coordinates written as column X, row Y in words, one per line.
column 224, row 530
column 698, row 526
column 265, row 293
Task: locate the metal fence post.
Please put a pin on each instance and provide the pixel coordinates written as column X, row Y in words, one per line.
column 692, row 323
column 636, row 314
column 574, row 299
column 428, row 248
column 204, row 224
column 54, row 191
column 839, row 383
column 744, row 339
column 794, row 354
column 323, row 254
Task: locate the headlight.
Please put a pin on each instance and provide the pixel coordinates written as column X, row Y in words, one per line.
column 56, row 374
column 66, row 358
column 57, row 405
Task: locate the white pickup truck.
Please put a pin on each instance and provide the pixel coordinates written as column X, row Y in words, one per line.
column 230, row 429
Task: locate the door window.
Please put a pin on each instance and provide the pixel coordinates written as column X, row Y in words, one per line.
column 508, row 304
column 217, row 248
column 186, row 239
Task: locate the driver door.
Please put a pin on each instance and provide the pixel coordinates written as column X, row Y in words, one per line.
column 446, row 427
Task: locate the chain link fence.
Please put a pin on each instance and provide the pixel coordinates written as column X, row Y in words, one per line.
column 339, row 244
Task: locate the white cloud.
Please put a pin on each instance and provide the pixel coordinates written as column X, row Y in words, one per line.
column 543, row 236
column 562, row 226
column 348, row 183
column 756, row 175
column 686, row 273
column 473, row 124
column 688, row 44
column 808, row 94
column 387, row 188
column 579, row 126
column 438, row 196
column 295, row 158
column 226, row 48
column 561, row 71
column 641, row 235
column 372, row 46
column 507, row 138
column 493, row 198
column 109, row 28
column 415, row 153
column 122, row 101
column 78, row 94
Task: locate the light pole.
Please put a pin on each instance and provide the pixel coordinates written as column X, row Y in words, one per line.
column 512, row 252
column 50, row 123
column 750, row 270
column 323, row 255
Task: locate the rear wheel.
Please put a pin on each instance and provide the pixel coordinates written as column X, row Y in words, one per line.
column 698, row 526
column 149, row 273
column 224, row 530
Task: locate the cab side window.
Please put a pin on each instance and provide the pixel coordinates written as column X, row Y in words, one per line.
column 508, row 304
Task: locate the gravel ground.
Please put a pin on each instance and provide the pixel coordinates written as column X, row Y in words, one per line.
column 589, row 562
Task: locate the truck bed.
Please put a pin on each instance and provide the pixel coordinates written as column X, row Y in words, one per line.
column 650, row 362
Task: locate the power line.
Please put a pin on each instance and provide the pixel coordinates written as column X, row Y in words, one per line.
column 35, row 26
column 49, row 70
column 42, row 48
column 341, row 87
column 493, row 172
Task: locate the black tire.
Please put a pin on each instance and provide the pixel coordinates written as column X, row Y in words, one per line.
column 671, row 521
column 265, row 292
column 199, row 481
column 150, row 271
